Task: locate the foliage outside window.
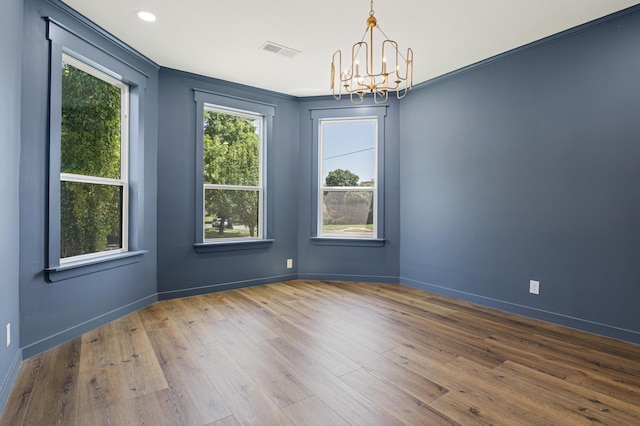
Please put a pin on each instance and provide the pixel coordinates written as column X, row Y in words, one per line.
column 232, row 171
column 348, row 170
column 93, row 162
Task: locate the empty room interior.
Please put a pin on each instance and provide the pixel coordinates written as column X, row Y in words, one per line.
column 333, row 213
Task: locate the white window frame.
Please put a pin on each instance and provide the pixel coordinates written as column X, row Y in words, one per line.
column 260, row 187
column 322, row 188
column 123, row 182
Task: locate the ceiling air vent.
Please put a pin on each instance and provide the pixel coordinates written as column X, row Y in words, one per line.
column 279, row 49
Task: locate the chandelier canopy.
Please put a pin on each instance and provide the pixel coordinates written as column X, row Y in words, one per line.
column 391, row 71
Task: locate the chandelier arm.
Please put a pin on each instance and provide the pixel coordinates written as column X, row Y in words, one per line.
column 387, row 37
column 370, row 50
column 333, row 75
column 362, row 40
column 359, row 100
column 410, row 66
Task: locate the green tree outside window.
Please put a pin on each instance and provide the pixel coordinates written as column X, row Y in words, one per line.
column 231, row 159
column 90, row 213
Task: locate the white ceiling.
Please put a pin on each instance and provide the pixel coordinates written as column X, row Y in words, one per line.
column 222, row 38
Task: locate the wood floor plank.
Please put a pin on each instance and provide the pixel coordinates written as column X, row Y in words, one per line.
column 169, row 343
column 609, row 374
column 558, row 367
column 353, row 320
column 311, row 412
column 197, row 308
column 322, row 333
column 270, row 372
column 249, row 404
column 311, row 347
column 411, row 324
column 493, row 387
column 119, row 382
column 401, row 405
column 613, row 386
column 583, row 401
column 586, row 357
column 470, row 405
column 313, row 352
column 227, row 421
column 340, row 397
column 199, row 399
column 434, row 370
column 117, row 342
column 198, row 335
column 56, row 388
column 243, row 320
column 408, row 381
column 382, row 297
column 154, row 316
column 350, row 330
column 483, row 392
column 155, row 408
column 18, row 402
column 473, row 413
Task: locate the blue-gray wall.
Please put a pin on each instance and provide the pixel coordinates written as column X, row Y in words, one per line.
column 51, row 313
column 10, row 77
column 317, row 260
column 181, row 270
column 528, row 167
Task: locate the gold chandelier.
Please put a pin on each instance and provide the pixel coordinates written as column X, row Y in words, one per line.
column 394, row 76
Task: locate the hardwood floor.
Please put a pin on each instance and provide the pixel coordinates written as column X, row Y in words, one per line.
column 328, row 353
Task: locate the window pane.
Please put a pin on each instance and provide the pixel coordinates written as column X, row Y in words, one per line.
column 231, row 213
column 231, row 149
column 347, row 214
column 91, row 128
column 348, row 153
column 90, row 218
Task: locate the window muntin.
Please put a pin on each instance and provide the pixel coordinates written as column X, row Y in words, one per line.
column 233, row 191
column 347, row 181
column 94, row 151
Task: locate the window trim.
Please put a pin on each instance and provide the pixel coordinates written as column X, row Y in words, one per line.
column 64, row 41
column 231, row 104
column 352, row 113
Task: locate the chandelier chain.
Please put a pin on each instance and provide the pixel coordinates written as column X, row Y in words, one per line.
column 371, row 13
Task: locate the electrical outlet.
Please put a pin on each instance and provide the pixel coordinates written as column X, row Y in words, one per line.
column 8, row 334
column 534, row 287
column 289, row 263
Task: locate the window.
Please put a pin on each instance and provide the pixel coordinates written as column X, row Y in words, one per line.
column 96, row 158
column 348, row 178
column 232, row 173
column 231, row 195
column 348, row 175
column 94, row 191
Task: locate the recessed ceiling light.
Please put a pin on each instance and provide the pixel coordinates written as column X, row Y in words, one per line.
column 146, row 16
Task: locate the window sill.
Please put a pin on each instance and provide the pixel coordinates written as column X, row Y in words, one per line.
column 232, row 245
column 351, row 242
column 90, row 266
